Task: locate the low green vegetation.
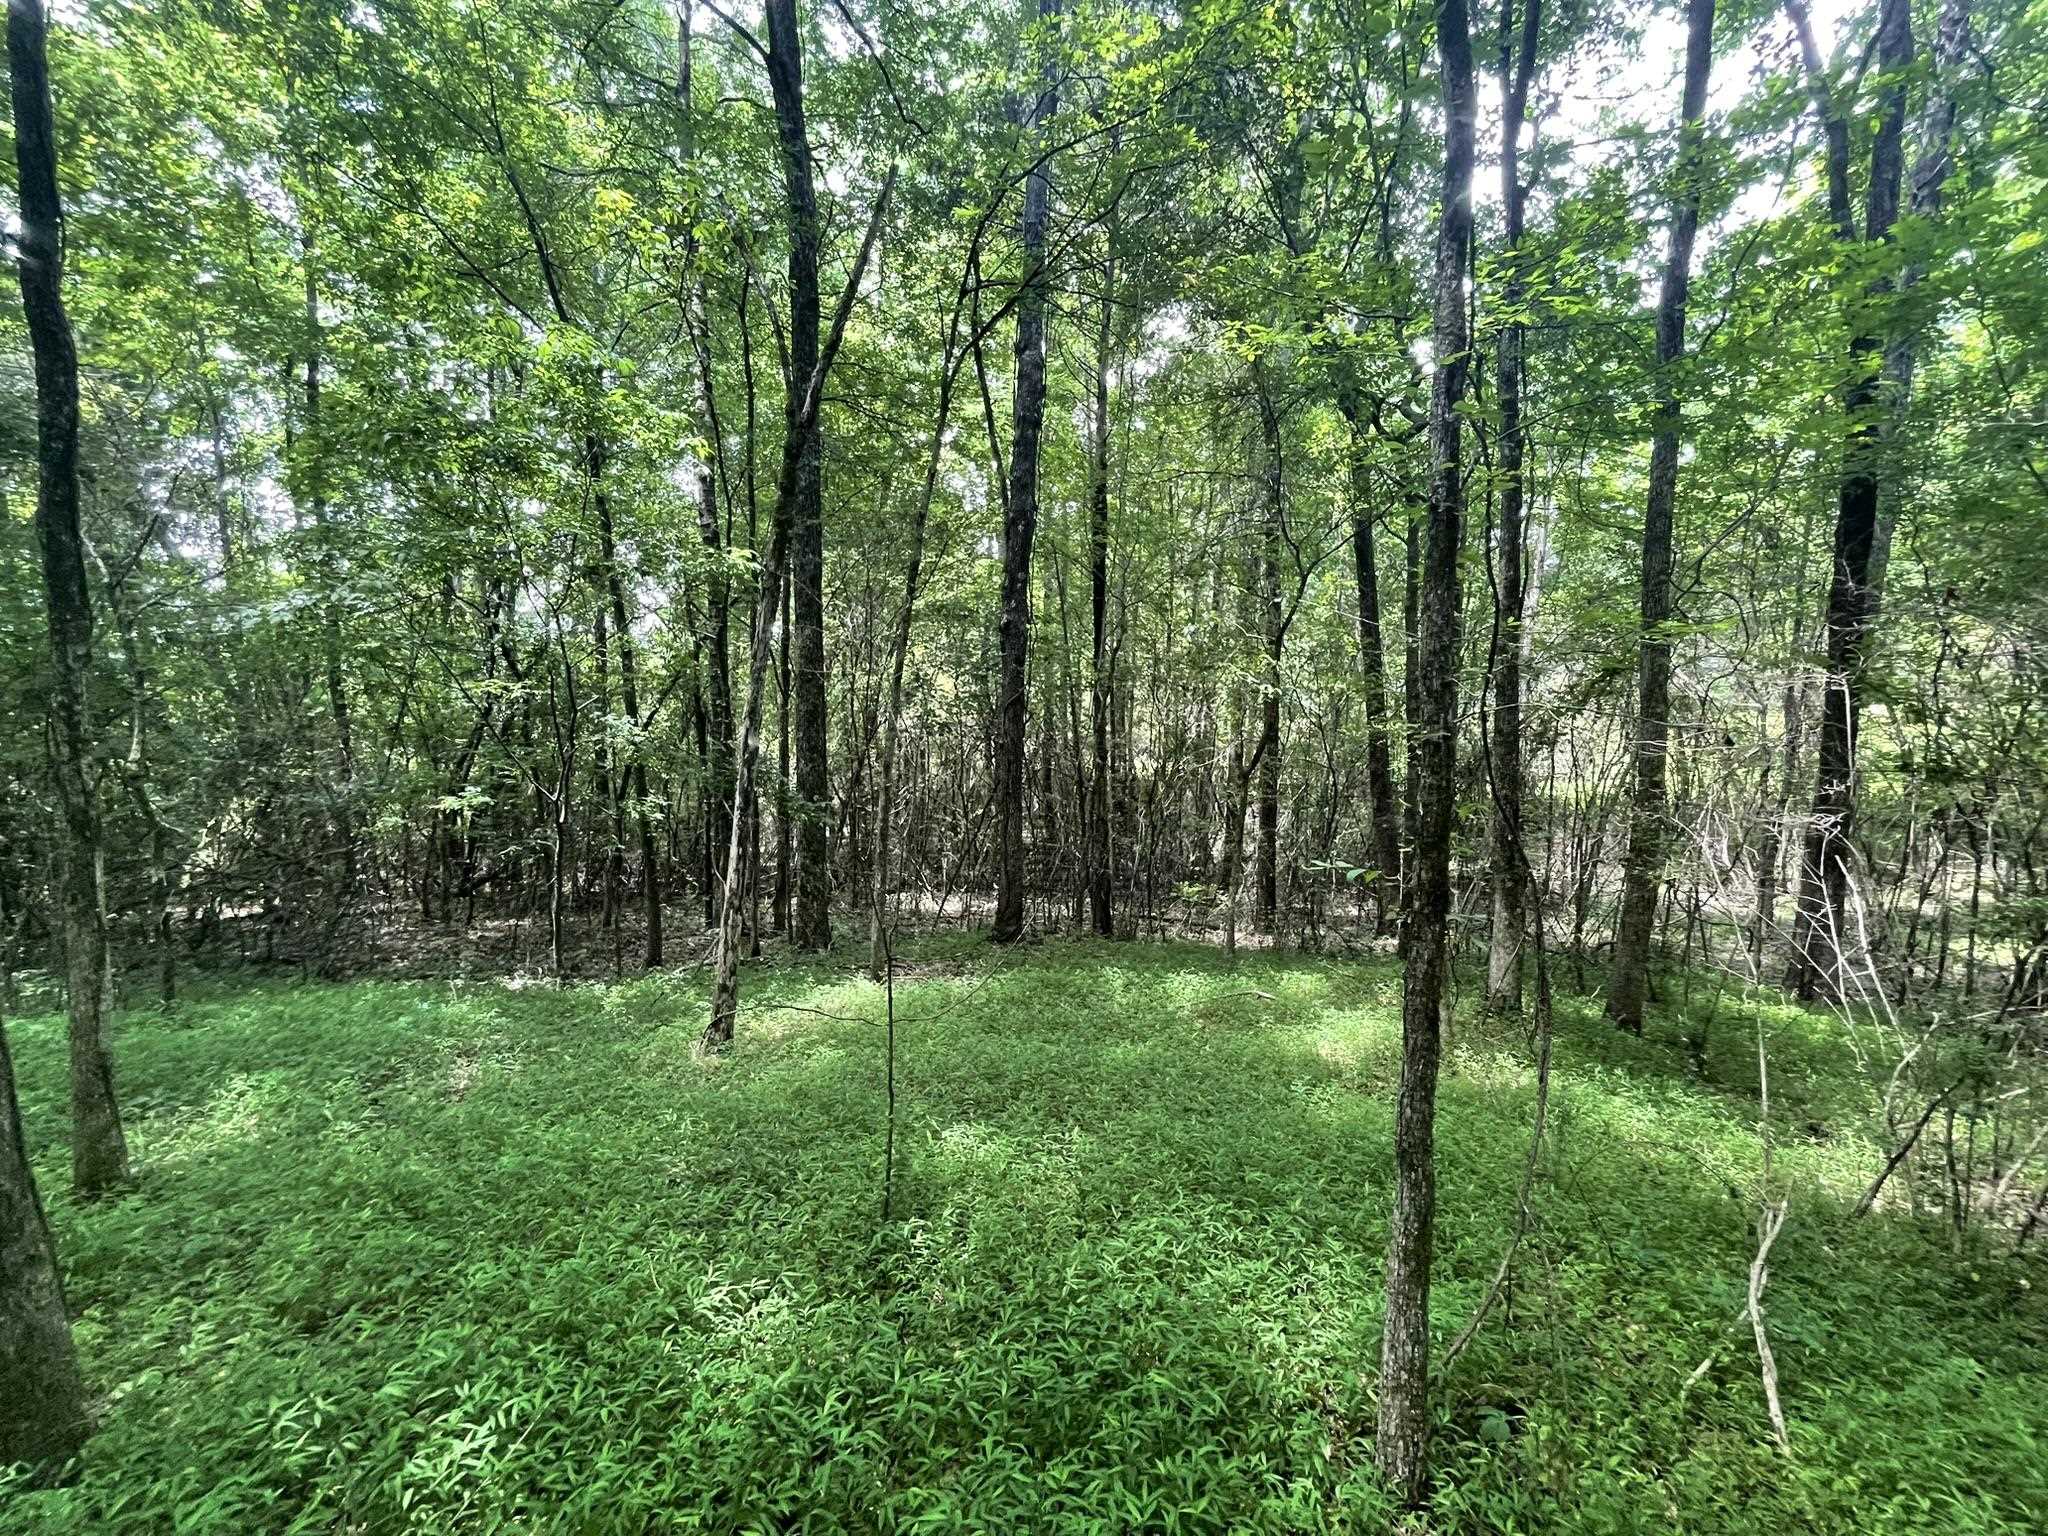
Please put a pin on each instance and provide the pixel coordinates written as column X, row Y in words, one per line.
column 463, row 1257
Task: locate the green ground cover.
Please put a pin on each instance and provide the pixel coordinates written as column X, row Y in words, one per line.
column 451, row 1257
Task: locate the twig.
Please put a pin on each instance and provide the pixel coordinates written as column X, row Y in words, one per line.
column 1769, row 1223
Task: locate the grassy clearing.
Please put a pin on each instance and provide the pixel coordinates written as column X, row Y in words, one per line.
column 458, row 1257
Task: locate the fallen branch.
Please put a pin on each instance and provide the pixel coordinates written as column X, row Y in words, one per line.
column 1903, row 1150
column 1770, row 1222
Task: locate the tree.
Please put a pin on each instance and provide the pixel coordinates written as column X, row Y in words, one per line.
column 1824, row 947
column 1643, row 870
column 1020, row 502
column 808, row 367
column 99, row 1148
column 1401, row 1445
column 1504, row 951
column 43, row 1415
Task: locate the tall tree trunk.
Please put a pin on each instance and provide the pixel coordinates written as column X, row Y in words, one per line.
column 813, row 926
column 785, row 844
column 329, row 562
column 1100, row 872
column 1952, row 46
column 1826, row 871
column 1020, row 511
column 1273, row 508
column 1504, row 950
column 1379, row 757
column 629, row 701
column 1401, row 1447
column 899, row 647
column 136, row 772
column 99, row 1150
column 1643, row 870
column 717, row 637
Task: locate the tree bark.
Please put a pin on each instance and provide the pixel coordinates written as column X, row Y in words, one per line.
column 99, row 1149
column 813, row 926
column 1100, row 869
column 1826, row 869
column 1020, row 512
column 1273, row 509
column 43, row 1415
column 1504, row 949
column 1379, row 757
column 1643, row 869
column 629, row 701
column 1401, row 1446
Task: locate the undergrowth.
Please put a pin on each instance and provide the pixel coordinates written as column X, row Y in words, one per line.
column 464, row 1257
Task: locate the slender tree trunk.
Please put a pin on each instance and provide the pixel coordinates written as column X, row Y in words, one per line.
column 1504, row 951
column 1020, row 514
column 785, row 844
column 1825, row 877
column 799, row 460
column 1643, row 870
column 1952, row 46
column 1379, row 757
column 635, row 772
column 136, row 772
column 330, row 576
column 1273, row 623
column 1100, row 873
column 99, row 1149
column 1401, row 1446
column 899, row 651
column 813, row 927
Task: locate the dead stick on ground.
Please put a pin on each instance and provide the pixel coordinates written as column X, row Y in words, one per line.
column 1769, row 1223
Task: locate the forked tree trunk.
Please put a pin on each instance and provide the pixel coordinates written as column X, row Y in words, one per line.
column 1825, row 875
column 1643, row 869
column 1401, row 1445
column 99, row 1149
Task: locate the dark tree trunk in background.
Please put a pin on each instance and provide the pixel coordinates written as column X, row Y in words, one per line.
column 717, row 638
column 1504, row 950
column 629, row 701
column 899, row 653
column 328, row 557
column 1401, row 1445
column 1643, row 869
column 813, row 925
column 43, row 1418
column 99, row 1150
column 1952, row 51
column 1273, row 624
column 1100, row 871
column 1379, row 757
column 1020, row 518
column 1826, row 871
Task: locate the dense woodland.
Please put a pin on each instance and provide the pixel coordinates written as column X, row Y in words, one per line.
column 1543, row 499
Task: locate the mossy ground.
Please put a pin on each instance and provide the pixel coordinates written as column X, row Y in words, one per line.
column 451, row 1257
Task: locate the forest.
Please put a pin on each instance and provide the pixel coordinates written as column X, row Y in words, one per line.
column 1078, row 766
